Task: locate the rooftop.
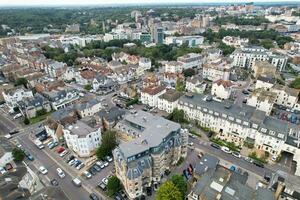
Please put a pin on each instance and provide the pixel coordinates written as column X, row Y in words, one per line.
column 81, row 129
column 171, row 95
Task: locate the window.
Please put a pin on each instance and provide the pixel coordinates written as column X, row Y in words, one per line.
column 264, row 130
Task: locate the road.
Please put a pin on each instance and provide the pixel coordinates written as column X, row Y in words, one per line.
column 6, row 125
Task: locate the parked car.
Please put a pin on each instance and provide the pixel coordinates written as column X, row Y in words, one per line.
column 80, row 166
column 105, row 181
column 60, row 149
column 226, row 150
column 77, row 163
column 236, row 154
column 200, row 155
column 97, row 168
column 60, row 173
column 191, row 144
column 62, row 154
column 51, row 145
column 15, row 131
column 43, row 170
column 87, row 174
column 72, row 162
column 92, row 171
column 109, row 159
column 258, row 164
column 105, row 163
column 70, row 158
column 102, row 186
column 100, row 164
column 250, row 160
column 93, row 196
column 54, row 182
column 76, row 182
column 17, row 116
column 215, row 146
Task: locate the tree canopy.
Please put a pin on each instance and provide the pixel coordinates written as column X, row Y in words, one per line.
column 18, row 154
column 296, row 83
column 255, row 21
column 168, row 191
column 108, row 143
column 113, row 185
column 180, row 183
column 177, row 116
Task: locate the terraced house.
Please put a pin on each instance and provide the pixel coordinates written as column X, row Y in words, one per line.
column 244, row 123
column 155, row 145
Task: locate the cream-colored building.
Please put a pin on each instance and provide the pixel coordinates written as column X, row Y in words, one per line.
column 173, row 67
column 157, row 145
column 216, row 69
column 222, row 89
column 263, row 68
column 262, row 100
column 169, row 100
column 149, row 95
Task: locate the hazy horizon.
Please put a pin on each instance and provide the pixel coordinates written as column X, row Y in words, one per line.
column 124, row 2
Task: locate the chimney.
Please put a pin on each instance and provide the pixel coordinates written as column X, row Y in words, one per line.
column 279, row 189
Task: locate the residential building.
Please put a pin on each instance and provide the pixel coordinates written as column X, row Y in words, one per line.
column 265, row 82
column 235, row 41
column 222, row 89
column 169, row 100
column 88, row 108
column 103, row 83
column 82, row 139
column 216, row 69
column 74, row 28
column 61, row 97
column 190, row 41
column 173, row 67
column 55, row 69
column 144, row 64
column 149, row 95
column 14, row 95
column 190, row 60
column 195, row 84
column 246, row 56
column 6, row 148
column 158, row 35
column 109, row 118
column 263, row 68
column 243, row 123
column 262, row 100
column 286, row 96
column 156, row 145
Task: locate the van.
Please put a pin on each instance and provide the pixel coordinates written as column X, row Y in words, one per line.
column 60, row 173
column 76, row 182
column 17, row 116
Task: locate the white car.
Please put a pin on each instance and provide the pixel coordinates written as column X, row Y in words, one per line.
column 87, row 174
column 17, row 116
column 226, row 150
column 109, row 159
column 105, row 163
column 100, row 164
column 105, row 181
column 236, row 154
column 43, row 170
column 72, row 162
column 60, row 173
column 191, row 144
column 62, row 154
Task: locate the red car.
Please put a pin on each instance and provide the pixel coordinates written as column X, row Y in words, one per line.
column 8, row 166
column 60, row 149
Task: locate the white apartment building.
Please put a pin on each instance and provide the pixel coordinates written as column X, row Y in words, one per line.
column 191, row 41
column 286, row 96
column 244, row 123
column 120, row 35
column 82, row 139
column 262, row 100
column 169, row 100
column 173, row 67
column 191, row 60
column 264, row 82
column 88, row 108
column 149, row 95
column 221, row 89
column 62, row 97
column 245, row 57
column 216, row 69
column 14, row 95
column 235, row 41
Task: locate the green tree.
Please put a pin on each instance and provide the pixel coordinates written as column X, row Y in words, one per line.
column 180, row 183
column 41, row 112
column 296, row 83
column 189, row 72
column 179, row 85
column 113, row 185
column 88, row 87
column 21, row 81
column 177, row 116
column 108, row 143
column 267, row 43
column 168, row 191
column 18, row 154
column 26, row 121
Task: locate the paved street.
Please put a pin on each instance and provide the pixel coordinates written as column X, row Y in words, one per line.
column 6, row 125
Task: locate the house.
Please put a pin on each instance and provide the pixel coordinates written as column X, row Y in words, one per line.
column 82, row 139
column 149, row 95
column 14, row 95
column 111, row 117
column 88, row 108
column 85, row 77
column 55, row 69
column 103, row 83
column 190, row 60
column 170, row 79
column 32, row 105
column 286, row 96
column 263, row 68
column 222, row 89
column 262, row 100
column 195, row 84
column 61, row 97
column 6, row 148
column 173, row 67
column 151, row 80
column 169, row 100
column 156, row 145
column 265, row 82
column 216, row 69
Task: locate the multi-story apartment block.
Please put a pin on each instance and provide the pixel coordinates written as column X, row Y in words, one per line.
column 191, row 60
column 235, row 41
column 149, row 95
column 157, row 144
column 264, row 82
column 190, row 41
column 173, row 67
column 222, row 89
column 286, row 96
column 246, row 56
column 55, row 69
column 14, row 95
column 244, row 123
column 82, row 139
column 61, row 97
column 216, row 69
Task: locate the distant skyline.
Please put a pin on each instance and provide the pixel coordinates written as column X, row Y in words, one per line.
column 109, row 2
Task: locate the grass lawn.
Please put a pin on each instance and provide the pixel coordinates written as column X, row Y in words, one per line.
column 39, row 118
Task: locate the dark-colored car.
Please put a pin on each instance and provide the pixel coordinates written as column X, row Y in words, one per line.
column 215, row 146
column 14, row 132
column 93, row 196
column 54, row 182
column 258, row 164
column 92, row 171
column 97, row 168
column 70, row 158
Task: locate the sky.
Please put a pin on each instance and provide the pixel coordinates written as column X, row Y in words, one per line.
column 103, row 2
